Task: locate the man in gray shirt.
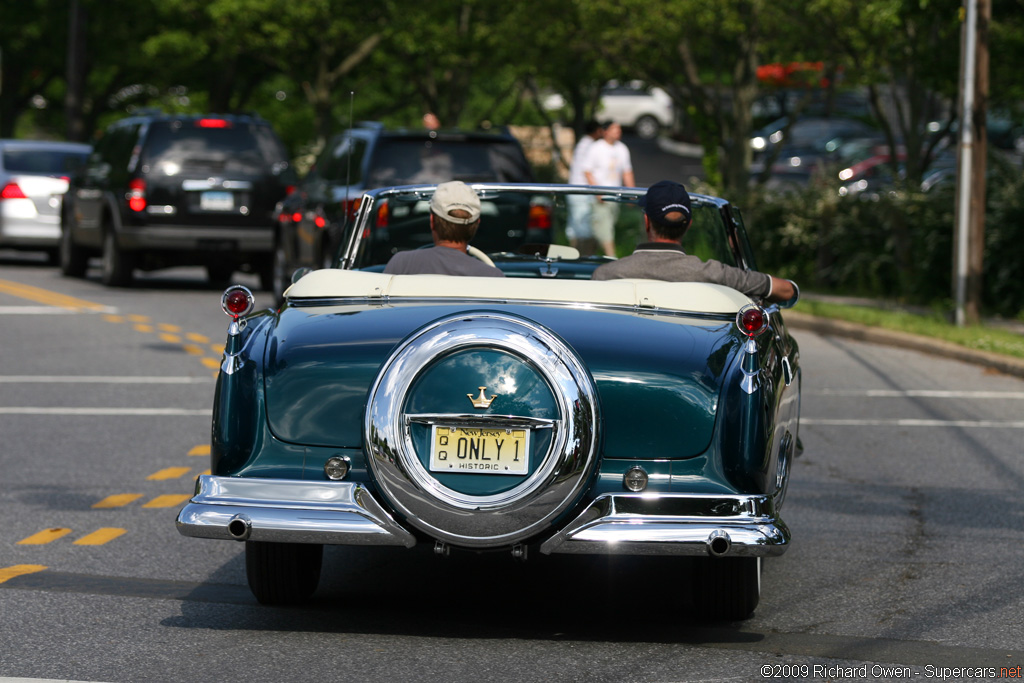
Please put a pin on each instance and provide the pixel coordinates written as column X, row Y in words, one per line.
column 454, row 219
column 667, row 217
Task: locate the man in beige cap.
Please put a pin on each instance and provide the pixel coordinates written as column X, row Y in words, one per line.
column 454, row 219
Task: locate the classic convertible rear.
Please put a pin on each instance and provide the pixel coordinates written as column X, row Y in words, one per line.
column 538, row 413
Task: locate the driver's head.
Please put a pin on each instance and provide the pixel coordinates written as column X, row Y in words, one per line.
column 455, row 210
column 667, row 209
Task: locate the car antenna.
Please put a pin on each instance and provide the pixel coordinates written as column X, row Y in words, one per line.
column 348, row 167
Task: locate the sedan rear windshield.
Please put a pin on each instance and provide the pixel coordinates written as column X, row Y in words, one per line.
column 413, row 161
column 43, row 161
column 188, row 146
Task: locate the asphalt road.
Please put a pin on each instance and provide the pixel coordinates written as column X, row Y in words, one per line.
column 905, row 509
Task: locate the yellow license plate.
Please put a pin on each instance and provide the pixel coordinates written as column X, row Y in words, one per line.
column 476, row 450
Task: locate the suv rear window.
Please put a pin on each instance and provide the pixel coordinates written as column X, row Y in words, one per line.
column 189, row 146
column 409, row 162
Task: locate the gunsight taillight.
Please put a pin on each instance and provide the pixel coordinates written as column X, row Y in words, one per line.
column 752, row 320
column 237, row 301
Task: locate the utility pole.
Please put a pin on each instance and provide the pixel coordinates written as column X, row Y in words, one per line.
column 972, row 160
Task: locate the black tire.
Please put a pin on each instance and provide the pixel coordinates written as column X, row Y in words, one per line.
column 74, row 260
column 282, row 573
column 220, row 274
column 647, row 127
column 726, row 588
column 117, row 263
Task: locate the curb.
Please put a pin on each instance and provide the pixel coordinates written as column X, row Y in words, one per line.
column 877, row 335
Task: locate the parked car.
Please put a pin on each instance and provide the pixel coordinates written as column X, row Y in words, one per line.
column 634, row 105
column 162, row 190
column 825, row 134
column 538, row 413
column 312, row 220
column 34, row 176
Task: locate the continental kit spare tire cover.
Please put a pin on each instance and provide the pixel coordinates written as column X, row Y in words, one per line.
column 480, row 429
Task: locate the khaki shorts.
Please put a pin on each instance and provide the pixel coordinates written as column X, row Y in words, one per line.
column 603, row 220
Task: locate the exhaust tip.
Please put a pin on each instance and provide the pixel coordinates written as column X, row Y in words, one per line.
column 240, row 527
column 719, row 543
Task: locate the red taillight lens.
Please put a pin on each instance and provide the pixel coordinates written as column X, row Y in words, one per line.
column 137, row 195
column 296, row 217
column 288, row 189
column 383, row 214
column 540, row 217
column 237, row 301
column 12, row 191
column 213, row 123
column 752, row 320
column 320, row 221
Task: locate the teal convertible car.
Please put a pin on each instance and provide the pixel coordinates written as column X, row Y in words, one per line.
column 538, row 413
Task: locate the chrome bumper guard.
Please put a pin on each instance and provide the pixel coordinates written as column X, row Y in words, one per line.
column 289, row 511
column 675, row 524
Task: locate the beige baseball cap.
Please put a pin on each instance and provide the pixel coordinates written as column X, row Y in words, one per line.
column 452, row 195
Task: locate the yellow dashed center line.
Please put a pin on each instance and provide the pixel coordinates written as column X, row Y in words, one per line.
column 45, row 536
column 211, row 363
column 8, row 573
column 201, row 449
column 168, row 500
column 140, row 327
column 169, row 473
column 118, row 500
column 100, row 536
column 170, row 338
column 197, row 338
column 138, row 318
column 167, row 327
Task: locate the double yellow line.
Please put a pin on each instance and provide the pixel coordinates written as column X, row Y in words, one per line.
column 48, row 298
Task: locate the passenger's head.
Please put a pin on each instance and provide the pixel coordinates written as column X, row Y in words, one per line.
column 593, row 128
column 612, row 131
column 455, row 211
column 667, row 209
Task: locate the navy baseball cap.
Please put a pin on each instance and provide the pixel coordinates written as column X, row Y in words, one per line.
column 665, row 197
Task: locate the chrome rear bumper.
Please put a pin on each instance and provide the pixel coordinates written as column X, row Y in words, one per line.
column 343, row 513
column 289, row 511
column 675, row 524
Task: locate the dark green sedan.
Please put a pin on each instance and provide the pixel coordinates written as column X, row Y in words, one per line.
column 540, row 412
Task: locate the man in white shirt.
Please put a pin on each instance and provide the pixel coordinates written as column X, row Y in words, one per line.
column 577, row 229
column 608, row 164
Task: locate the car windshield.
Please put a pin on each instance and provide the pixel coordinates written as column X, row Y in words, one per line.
column 183, row 146
column 399, row 161
column 55, row 162
column 518, row 227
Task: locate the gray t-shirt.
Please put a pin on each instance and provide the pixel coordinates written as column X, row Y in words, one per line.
column 439, row 261
column 665, row 261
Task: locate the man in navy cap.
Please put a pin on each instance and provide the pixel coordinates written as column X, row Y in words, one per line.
column 667, row 216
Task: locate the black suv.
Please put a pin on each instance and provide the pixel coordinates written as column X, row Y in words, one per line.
column 166, row 190
column 312, row 220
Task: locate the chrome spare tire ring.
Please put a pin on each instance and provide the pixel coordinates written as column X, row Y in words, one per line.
column 487, row 520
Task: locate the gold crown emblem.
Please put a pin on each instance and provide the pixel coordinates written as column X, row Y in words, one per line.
column 482, row 401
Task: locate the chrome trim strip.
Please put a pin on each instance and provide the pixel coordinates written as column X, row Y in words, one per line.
column 398, row 300
column 673, row 524
column 290, row 511
column 471, row 420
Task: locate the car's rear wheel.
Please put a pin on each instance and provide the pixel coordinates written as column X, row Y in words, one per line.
column 726, row 588
column 118, row 264
column 73, row 259
column 647, row 127
column 282, row 573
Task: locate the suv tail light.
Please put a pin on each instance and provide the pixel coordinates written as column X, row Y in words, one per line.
column 383, row 214
column 137, row 194
column 540, row 217
column 12, row 191
column 213, row 123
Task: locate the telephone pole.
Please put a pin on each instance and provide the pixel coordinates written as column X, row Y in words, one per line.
column 972, row 160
